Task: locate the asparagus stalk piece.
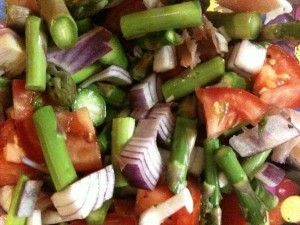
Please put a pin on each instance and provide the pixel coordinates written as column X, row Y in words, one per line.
column 86, row 72
column 201, row 75
column 112, row 94
column 143, row 67
column 254, row 211
column 211, row 184
column 281, row 30
column 12, row 218
column 183, row 142
column 188, row 107
column 122, row 131
column 54, row 148
column 84, row 25
column 98, row 216
column 36, row 62
column 244, row 25
column 231, row 79
column 157, row 40
column 181, row 15
column 62, row 27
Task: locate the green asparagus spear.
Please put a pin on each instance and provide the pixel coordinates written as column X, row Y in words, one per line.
column 181, row 15
column 201, row 75
column 98, row 216
column 245, row 25
column 188, row 107
column 12, row 217
column 112, row 94
column 183, row 142
column 54, row 148
column 62, row 27
column 143, row 67
column 254, row 211
column 86, row 72
column 281, row 30
column 231, row 79
column 36, row 62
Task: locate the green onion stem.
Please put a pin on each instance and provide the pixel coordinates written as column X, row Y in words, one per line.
column 54, row 148
column 36, row 62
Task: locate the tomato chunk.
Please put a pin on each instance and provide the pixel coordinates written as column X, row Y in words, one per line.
column 225, row 108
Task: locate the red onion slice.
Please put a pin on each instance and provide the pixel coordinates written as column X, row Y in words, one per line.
column 270, row 174
column 89, row 48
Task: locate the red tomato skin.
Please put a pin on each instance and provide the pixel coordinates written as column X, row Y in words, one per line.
column 22, row 101
column 287, row 188
column 275, row 217
column 278, row 82
column 225, row 108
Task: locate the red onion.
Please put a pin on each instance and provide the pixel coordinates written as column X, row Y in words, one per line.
column 270, row 174
column 29, row 197
column 89, row 48
column 113, row 74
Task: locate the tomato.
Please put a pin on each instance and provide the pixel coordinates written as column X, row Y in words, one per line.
column 22, row 101
column 9, row 172
column 226, row 107
column 287, row 188
column 117, row 219
column 145, row 199
column 81, row 139
column 79, row 222
column 278, row 83
column 31, row 4
column 275, row 217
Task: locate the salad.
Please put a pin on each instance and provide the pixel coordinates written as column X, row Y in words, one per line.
column 149, row 112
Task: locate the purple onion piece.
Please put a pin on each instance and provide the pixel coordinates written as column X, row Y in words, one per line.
column 296, row 13
column 277, row 131
column 288, row 44
column 139, row 114
column 113, row 74
column 29, row 197
column 89, row 48
column 270, row 174
column 283, row 18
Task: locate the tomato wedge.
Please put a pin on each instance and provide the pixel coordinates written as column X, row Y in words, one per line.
column 226, row 107
column 278, row 83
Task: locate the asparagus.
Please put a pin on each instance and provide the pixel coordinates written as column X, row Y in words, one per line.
column 231, row 79
column 62, row 27
column 98, row 216
column 5, row 92
column 244, row 25
column 143, row 67
column 85, row 8
column 201, row 75
column 54, row 148
column 86, row 72
column 36, row 62
column 188, row 107
column 281, row 30
column 122, row 131
column 84, row 25
column 157, row 40
column 104, row 138
column 181, row 15
column 60, row 86
column 116, row 56
column 183, row 142
column 254, row 211
column 212, row 197
column 12, row 218
column 112, row 94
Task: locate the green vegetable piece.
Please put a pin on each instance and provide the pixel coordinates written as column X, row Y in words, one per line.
column 142, row 67
column 281, row 30
column 104, row 138
column 62, row 27
column 54, row 148
column 60, row 86
column 84, row 25
column 86, row 72
column 231, row 79
column 36, row 62
column 254, row 211
column 12, row 218
column 112, row 94
column 243, row 25
column 201, row 75
column 116, row 56
column 98, row 216
column 182, row 15
column 212, row 200
column 122, row 131
column 5, row 92
column 188, row 107
column 91, row 98
column 85, row 8
column 183, row 142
